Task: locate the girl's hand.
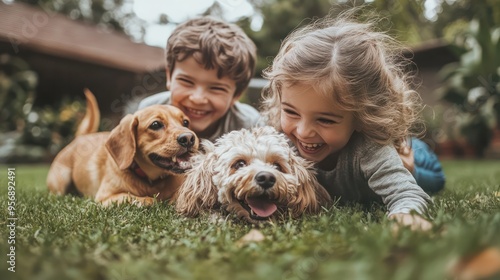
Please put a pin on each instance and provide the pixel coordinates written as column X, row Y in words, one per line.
column 415, row 222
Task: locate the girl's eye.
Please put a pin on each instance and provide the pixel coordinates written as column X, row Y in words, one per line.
column 289, row 112
column 185, row 123
column 239, row 164
column 156, row 125
column 325, row 121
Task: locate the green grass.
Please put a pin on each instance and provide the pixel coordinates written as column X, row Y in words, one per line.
column 73, row 238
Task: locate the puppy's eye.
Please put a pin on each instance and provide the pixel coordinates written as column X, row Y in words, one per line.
column 278, row 166
column 239, row 164
column 156, row 125
column 185, row 123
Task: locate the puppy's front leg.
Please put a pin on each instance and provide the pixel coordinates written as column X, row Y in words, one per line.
column 126, row 198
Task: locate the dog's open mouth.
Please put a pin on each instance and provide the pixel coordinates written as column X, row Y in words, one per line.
column 260, row 207
column 177, row 164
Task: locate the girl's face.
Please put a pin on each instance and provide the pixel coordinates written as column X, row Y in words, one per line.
column 313, row 123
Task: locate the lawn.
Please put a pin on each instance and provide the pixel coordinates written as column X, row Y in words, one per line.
column 73, row 238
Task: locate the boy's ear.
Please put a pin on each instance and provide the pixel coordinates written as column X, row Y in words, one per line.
column 167, row 75
column 235, row 98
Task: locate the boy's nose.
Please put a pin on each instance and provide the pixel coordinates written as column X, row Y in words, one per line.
column 198, row 96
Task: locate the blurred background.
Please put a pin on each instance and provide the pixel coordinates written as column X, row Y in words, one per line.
column 50, row 50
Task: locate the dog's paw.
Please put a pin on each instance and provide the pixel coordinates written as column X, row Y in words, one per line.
column 143, row 201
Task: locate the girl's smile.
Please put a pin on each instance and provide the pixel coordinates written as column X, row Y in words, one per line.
column 313, row 123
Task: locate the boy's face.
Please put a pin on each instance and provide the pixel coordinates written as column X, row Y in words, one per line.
column 313, row 123
column 202, row 96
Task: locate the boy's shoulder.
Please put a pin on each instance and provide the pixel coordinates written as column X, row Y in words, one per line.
column 241, row 115
column 157, row 98
column 245, row 110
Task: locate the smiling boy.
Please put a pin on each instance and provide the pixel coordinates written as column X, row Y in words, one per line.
column 209, row 65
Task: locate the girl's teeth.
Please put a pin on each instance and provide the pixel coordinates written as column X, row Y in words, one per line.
column 311, row 146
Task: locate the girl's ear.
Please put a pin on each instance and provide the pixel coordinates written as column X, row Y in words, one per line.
column 357, row 125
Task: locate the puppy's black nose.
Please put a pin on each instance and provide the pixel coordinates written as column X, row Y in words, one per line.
column 186, row 139
column 265, row 179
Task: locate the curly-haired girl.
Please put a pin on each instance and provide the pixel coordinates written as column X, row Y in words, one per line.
column 340, row 92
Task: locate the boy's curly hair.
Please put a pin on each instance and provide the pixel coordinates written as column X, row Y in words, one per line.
column 214, row 44
column 363, row 70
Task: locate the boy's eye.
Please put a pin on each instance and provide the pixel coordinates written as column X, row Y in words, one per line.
column 219, row 89
column 185, row 81
column 156, row 125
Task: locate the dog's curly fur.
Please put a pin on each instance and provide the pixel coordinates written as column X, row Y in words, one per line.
column 254, row 174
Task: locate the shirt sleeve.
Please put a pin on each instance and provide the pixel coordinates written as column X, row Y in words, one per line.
column 389, row 179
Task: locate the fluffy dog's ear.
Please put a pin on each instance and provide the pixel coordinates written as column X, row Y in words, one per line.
column 121, row 142
column 310, row 194
column 198, row 193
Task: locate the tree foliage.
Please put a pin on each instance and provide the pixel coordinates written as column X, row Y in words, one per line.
column 473, row 83
column 108, row 14
column 404, row 19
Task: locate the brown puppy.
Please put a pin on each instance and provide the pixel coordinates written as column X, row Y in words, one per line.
column 139, row 160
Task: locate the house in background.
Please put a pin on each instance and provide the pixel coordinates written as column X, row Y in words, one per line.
column 69, row 56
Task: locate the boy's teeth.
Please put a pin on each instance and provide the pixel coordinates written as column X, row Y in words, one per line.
column 197, row 112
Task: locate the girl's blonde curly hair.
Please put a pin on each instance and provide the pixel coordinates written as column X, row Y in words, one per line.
column 363, row 70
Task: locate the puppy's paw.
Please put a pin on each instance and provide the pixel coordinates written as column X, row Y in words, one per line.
column 127, row 198
column 143, row 201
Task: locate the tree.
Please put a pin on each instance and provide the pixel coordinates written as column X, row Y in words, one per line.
column 110, row 14
column 453, row 16
column 473, row 83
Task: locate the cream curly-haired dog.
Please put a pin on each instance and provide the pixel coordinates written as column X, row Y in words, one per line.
column 254, row 174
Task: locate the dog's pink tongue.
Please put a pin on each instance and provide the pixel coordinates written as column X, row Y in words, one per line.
column 262, row 207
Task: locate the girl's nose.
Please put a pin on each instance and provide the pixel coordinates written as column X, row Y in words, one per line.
column 304, row 130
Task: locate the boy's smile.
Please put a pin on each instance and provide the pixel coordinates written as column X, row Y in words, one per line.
column 200, row 94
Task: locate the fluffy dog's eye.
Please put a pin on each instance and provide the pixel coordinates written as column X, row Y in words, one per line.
column 156, row 125
column 185, row 123
column 239, row 164
column 278, row 166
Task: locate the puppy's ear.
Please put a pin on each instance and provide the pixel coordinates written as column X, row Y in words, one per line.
column 198, row 192
column 206, row 146
column 310, row 194
column 121, row 143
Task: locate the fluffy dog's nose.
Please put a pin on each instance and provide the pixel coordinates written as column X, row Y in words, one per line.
column 265, row 179
column 186, row 139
